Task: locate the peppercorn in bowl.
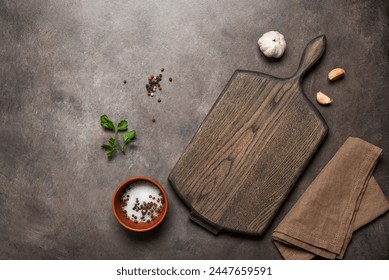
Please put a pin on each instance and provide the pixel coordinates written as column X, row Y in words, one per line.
column 140, row 204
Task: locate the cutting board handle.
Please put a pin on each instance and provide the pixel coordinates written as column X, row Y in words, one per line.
column 312, row 53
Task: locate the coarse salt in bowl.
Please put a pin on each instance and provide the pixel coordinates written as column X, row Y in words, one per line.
column 140, row 204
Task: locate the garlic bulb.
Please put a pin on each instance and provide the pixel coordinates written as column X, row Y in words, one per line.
column 272, row 44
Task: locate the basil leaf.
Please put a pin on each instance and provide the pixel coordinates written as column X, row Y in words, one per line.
column 110, row 153
column 112, row 142
column 106, row 147
column 109, row 149
column 129, row 137
column 106, row 122
column 122, row 125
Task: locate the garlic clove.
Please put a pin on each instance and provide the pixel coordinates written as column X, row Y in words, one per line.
column 336, row 74
column 323, row 99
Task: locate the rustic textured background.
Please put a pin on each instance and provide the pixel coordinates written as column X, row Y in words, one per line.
column 62, row 65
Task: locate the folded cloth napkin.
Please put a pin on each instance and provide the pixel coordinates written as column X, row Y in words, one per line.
column 343, row 197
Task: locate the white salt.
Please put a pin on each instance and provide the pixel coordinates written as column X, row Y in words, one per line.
column 149, row 204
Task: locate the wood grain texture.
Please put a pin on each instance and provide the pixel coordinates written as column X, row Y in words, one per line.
column 250, row 149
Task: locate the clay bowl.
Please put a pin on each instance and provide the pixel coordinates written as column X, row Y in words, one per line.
column 119, row 214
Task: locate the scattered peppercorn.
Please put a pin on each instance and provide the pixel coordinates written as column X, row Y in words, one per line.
column 153, row 120
column 125, row 82
column 154, row 85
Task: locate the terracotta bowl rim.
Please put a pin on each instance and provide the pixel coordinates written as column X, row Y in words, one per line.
column 134, row 179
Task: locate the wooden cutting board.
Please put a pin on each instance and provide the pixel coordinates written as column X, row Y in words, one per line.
column 250, row 150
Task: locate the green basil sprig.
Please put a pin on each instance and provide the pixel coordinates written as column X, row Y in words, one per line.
column 114, row 143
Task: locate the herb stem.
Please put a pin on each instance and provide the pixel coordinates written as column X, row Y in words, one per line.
column 117, row 143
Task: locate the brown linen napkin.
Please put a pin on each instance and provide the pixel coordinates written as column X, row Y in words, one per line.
column 342, row 198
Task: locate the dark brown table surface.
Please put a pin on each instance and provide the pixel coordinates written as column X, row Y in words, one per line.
column 63, row 64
